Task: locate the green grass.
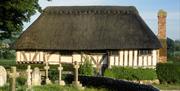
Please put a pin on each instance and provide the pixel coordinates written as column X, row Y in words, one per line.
column 64, row 88
column 167, row 86
column 53, row 87
column 7, row 62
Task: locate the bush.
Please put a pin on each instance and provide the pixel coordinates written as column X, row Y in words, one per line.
column 5, row 51
column 6, row 87
column 86, row 68
column 53, row 74
column 129, row 73
column 21, row 81
column 168, row 72
column 111, row 84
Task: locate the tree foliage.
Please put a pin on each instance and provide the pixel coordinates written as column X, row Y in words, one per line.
column 86, row 68
column 170, row 47
column 13, row 13
column 177, row 45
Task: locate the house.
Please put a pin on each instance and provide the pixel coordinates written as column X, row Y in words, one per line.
column 108, row 35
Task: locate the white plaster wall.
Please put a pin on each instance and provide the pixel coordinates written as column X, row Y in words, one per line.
column 27, row 56
column 154, row 52
column 111, row 59
column 125, row 58
column 130, row 58
column 149, row 60
column 66, row 59
column 135, row 58
column 76, row 57
column 54, row 58
column 41, row 56
column 140, row 61
column 145, row 60
column 116, row 60
column 18, row 56
column 121, row 57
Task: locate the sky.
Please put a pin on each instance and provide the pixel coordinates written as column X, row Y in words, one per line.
column 147, row 9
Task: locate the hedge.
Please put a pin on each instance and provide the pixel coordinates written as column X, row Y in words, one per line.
column 130, row 73
column 111, row 84
column 168, row 72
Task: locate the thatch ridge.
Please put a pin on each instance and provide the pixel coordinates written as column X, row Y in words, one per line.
column 90, row 10
column 88, row 31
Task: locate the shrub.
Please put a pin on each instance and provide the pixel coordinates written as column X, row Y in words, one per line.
column 53, row 74
column 86, row 68
column 168, row 72
column 129, row 73
column 6, row 87
column 5, row 51
column 21, row 81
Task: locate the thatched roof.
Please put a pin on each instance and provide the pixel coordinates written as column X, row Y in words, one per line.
column 88, row 28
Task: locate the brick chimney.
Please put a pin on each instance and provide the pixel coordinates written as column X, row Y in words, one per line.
column 162, row 36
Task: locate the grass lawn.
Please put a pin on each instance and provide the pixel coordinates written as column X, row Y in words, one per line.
column 7, row 62
column 167, row 86
column 64, row 88
column 53, row 87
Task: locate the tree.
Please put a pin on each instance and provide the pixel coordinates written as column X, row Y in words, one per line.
column 170, row 47
column 13, row 13
column 86, row 68
column 177, row 45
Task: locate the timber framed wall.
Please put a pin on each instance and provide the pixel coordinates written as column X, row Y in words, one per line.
column 131, row 58
column 134, row 58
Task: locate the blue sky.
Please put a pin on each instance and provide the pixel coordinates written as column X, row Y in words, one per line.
column 147, row 8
